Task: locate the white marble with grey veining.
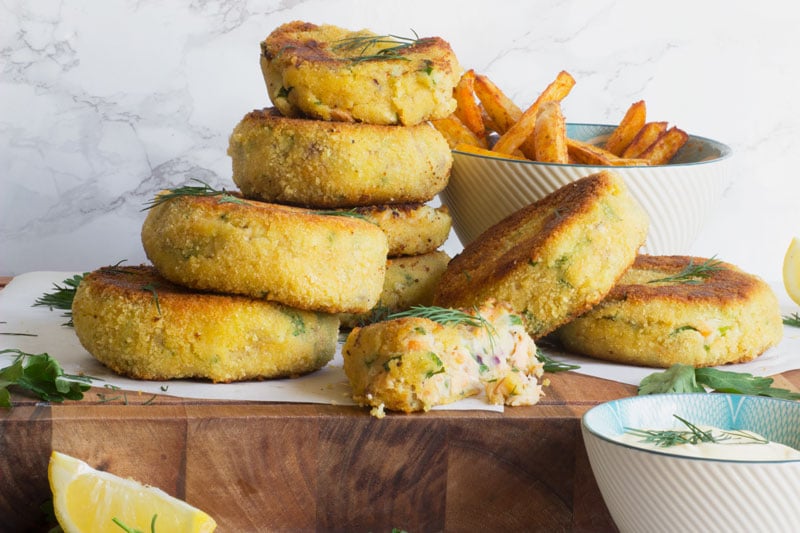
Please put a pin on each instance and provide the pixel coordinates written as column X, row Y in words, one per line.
column 102, row 103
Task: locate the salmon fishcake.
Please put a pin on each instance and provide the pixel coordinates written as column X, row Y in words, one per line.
column 410, row 280
column 331, row 73
column 141, row 325
column 659, row 315
column 285, row 254
column 411, row 229
column 553, row 259
column 329, row 165
column 415, row 363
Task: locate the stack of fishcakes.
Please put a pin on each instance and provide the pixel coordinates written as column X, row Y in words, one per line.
column 348, row 135
column 331, row 220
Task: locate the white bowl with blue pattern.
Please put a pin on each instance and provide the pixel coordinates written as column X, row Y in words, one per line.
column 654, row 490
column 678, row 197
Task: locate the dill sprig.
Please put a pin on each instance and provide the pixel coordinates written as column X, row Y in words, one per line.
column 447, row 316
column 551, row 365
column 204, row 189
column 352, row 213
column 129, row 529
column 61, row 297
column 792, row 320
column 360, row 45
column 692, row 273
column 666, row 438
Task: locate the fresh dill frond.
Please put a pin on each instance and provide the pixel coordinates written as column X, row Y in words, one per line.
column 792, row 320
column 551, row 365
column 152, row 288
column 61, row 297
column 666, row 438
column 204, row 189
column 447, row 316
column 692, row 273
column 353, row 213
column 360, row 46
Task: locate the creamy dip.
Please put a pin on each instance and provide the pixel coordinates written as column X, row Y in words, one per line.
column 732, row 445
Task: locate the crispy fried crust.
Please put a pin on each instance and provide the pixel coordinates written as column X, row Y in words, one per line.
column 333, row 164
column 410, row 281
column 411, row 229
column 728, row 317
column 285, row 254
column 308, row 73
column 553, row 259
column 412, row 364
column 141, row 325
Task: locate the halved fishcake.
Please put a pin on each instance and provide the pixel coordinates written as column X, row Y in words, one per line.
column 410, row 281
column 412, row 363
column 411, row 229
column 141, row 325
column 729, row 316
column 336, row 164
column 285, row 254
column 553, row 259
column 330, row 73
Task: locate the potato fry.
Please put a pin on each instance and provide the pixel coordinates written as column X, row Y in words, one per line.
column 629, row 126
column 456, row 132
column 584, row 153
column 467, row 109
column 519, row 134
column 499, row 107
column 646, row 136
column 472, row 149
column 665, row 147
column 550, row 134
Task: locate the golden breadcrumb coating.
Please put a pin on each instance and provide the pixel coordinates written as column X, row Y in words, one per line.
column 323, row 164
column 413, row 364
column 310, row 70
column 141, row 325
column 411, row 229
column 553, row 259
column 410, row 281
column 290, row 255
column 728, row 317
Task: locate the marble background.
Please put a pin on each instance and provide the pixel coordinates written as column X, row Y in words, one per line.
column 104, row 103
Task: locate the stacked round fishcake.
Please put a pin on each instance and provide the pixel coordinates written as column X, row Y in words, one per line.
column 330, row 73
column 554, row 259
column 141, row 325
column 659, row 314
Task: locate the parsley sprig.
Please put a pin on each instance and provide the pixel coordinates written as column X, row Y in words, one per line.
column 42, row 375
column 686, row 378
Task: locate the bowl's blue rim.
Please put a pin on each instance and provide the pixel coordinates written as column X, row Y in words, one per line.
column 665, row 453
column 725, row 150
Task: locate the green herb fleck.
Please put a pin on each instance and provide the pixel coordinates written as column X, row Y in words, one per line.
column 152, row 288
column 129, row 529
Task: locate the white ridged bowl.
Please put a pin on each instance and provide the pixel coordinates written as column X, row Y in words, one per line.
column 678, row 197
column 654, row 491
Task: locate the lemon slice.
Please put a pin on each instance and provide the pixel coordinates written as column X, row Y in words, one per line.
column 86, row 500
column 791, row 270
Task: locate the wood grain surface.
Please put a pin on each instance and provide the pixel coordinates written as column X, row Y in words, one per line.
column 304, row 467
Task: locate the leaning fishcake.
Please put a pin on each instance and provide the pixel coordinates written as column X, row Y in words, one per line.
column 284, row 254
column 553, row 259
column 336, row 164
column 330, row 73
column 140, row 325
column 727, row 317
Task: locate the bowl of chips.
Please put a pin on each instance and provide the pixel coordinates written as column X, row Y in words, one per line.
column 505, row 158
column 697, row 461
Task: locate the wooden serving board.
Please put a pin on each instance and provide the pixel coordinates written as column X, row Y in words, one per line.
column 302, row 467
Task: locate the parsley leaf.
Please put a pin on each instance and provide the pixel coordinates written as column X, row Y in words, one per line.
column 42, row 375
column 685, row 378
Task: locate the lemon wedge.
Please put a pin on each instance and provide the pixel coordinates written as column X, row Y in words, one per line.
column 791, row 270
column 86, row 500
